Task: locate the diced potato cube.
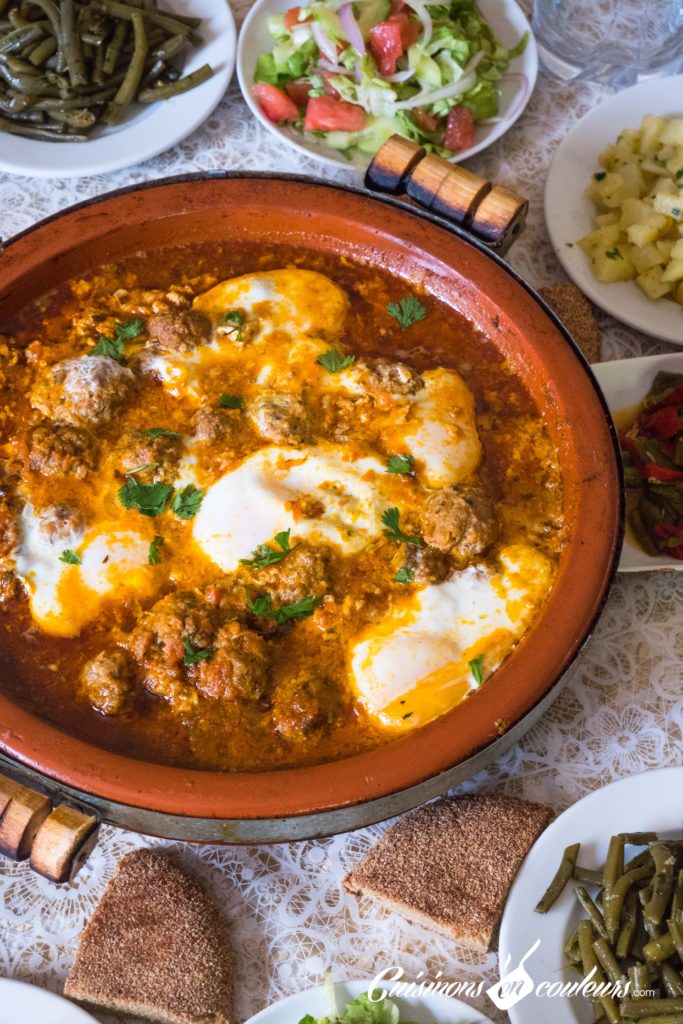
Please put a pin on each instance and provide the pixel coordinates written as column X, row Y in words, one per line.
column 628, row 141
column 645, row 257
column 648, row 230
column 651, row 283
column 652, row 165
column 611, row 191
column 603, row 219
column 664, row 187
column 673, row 132
column 613, row 264
column 632, row 212
column 634, row 182
column 670, row 205
column 664, row 246
column 673, row 271
column 677, row 250
column 601, row 238
column 651, row 131
column 606, row 158
column 678, row 294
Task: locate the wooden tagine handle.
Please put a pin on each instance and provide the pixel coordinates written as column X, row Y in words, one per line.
column 58, row 841
column 492, row 213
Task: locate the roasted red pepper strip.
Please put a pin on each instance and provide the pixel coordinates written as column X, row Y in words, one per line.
column 663, row 423
column 675, row 398
column 662, row 474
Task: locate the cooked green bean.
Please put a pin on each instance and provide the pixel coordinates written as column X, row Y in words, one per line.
column 14, row 40
column 660, row 948
column 560, row 879
column 608, row 961
column 676, row 1018
column 629, row 926
column 636, row 1009
column 613, row 899
column 71, row 43
column 121, row 10
column 38, row 132
column 41, row 52
column 677, row 901
column 614, row 864
column 587, row 876
column 129, row 86
column 676, row 936
column 594, row 914
column 166, row 92
column 671, row 979
column 639, row 838
column 662, row 883
column 640, row 977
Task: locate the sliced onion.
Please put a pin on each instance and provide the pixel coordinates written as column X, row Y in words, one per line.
column 400, row 76
column 323, row 42
column 446, row 92
column 424, row 16
column 332, row 69
column 352, row 28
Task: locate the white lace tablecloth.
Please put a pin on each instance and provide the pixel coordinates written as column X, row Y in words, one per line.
column 621, row 712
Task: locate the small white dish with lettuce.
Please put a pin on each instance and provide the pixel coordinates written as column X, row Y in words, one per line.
column 336, row 78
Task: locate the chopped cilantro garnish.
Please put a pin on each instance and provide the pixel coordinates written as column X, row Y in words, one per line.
column 679, row 174
column 613, row 254
column 600, row 175
column 406, row 312
column 230, row 401
column 390, row 518
column 400, row 464
column 477, row 669
column 115, row 347
column 154, row 557
column 70, row 557
column 148, row 499
column 404, row 575
column 193, row 654
column 139, row 469
column 262, row 607
column 187, row 502
column 161, row 432
column 236, row 322
column 407, row 715
column 263, row 556
column 334, row 361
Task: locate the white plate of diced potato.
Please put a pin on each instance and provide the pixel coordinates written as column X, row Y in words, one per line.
column 614, row 207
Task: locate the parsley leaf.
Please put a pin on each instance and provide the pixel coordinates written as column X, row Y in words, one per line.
column 230, row 401
column 263, row 555
column 161, row 432
column 400, row 464
column 70, row 557
column 390, row 518
column 263, row 608
column 193, row 654
column 477, row 669
column 679, row 174
column 148, row 499
column 600, row 175
column 139, row 469
column 404, row 575
column 236, row 322
column 406, row 312
column 115, row 347
column 334, row 361
column 187, row 502
column 613, row 254
column 154, row 557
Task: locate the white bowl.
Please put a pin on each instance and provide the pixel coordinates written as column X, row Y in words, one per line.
column 147, row 130
column 569, row 214
column 27, row 1004
column 507, row 20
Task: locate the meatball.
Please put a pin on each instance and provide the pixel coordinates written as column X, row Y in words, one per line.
column 109, row 684
column 165, row 629
column 238, row 670
column 85, row 391
column 60, row 522
column 302, row 573
column 396, row 378
column 138, row 449
column 178, row 331
column 342, row 418
column 211, row 424
column 61, row 451
column 302, row 705
column 9, row 525
column 459, row 520
column 428, row 565
column 280, row 418
column 9, row 588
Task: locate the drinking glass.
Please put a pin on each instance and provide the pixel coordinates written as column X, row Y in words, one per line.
column 619, row 42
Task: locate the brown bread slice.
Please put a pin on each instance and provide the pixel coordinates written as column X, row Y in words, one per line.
column 449, row 865
column 155, row 947
column 577, row 315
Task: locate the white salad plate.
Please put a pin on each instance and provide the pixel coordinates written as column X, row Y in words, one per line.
column 640, row 803
column 26, row 1004
column 624, row 383
column 569, row 213
column 148, row 130
column 434, row 1008
column 507, row 21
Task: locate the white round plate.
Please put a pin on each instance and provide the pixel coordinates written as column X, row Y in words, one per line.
column 624, row 383
column 640, row 803
column 430, row 1009
column 507, row 20
column 22, row 1003
column 568, row 213
column 148, row 130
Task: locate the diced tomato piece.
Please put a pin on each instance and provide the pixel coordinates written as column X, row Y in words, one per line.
column 675, row 398
column 386, row 45
column 275, row 103
column 410, row 30
column 662, row 423
column 426, row 122
column 660, row 474
column 291, row 18
column 298, row 91
column 459, row 132
column 327, row 114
